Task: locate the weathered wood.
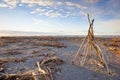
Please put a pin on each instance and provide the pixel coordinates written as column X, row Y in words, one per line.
column 89, row 44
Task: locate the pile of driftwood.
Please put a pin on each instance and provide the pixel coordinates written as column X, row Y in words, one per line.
column 48, row 67
column 45, row 70
column 90, row 47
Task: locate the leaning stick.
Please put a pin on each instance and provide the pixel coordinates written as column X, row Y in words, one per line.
column 79, row 50
column 85, row 47
column 103, row 59
column 84, row 58
column 88, row 18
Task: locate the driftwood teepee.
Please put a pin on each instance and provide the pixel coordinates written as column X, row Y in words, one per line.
column 87, row 46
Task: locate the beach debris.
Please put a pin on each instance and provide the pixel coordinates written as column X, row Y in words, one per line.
column 3, row 64
column 42, row 72
column 89, row 46
column 47, row 67
column 112, row 48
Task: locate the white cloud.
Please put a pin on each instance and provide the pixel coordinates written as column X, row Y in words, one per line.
column 52, row 3
column 62, row 10
column 38, row 10
column 75, row 5
column 59, row 3
column 49, row 13
column 54, row 8
column 3, row 5
column 53, row 14
column 11, row 3
column 38, row 2
column 91, row 1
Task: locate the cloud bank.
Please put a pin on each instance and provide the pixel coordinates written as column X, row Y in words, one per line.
column 58, row 8
column 48, row 8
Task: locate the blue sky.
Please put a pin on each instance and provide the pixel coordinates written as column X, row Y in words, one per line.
column 60, row 16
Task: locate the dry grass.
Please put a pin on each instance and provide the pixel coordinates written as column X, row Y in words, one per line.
column 13, row 53
column 2, row 44
column 13, row 59
column 11, row 39
column 50, row 44
column 22, row 59
column 115, row 39
column 17, row 77
column 118, row 51
column 114, row 44
column 114, row 50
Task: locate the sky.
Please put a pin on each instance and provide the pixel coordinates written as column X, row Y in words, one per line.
column 60, row 16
